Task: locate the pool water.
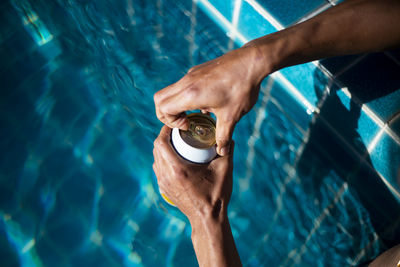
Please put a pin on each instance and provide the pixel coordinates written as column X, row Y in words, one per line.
column 77, row 127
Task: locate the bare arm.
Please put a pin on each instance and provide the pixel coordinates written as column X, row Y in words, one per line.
column 202, row 193
column 213, row 242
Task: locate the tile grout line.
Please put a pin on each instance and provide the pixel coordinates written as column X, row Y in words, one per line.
column 375, row 140
column 349, row 66
column 192, row 32
column 313, row 13
column 279, row 207
column 392, row 57
column 235, row 20
column 222, row 19
column 373, row 116
column 265, row 14
column 298, row 96
column 361, row 253
column 317, row 224
column 333, row 2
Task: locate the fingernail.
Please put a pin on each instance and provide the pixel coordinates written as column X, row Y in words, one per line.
column 224, row 151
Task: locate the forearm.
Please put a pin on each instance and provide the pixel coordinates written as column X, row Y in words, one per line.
column 213, row 242
column 354, row 26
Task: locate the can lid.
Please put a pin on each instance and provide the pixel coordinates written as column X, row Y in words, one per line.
column 197, row 144
column 201, row 132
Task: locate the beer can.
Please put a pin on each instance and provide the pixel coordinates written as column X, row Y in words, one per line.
column 197, row 144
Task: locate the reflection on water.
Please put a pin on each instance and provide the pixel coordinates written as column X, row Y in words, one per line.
column 33, row 23
column 78, row 123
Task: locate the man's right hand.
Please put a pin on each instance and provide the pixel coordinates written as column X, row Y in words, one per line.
column 227, row 86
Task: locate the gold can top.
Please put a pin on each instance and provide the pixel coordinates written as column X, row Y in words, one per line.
column 201, row 132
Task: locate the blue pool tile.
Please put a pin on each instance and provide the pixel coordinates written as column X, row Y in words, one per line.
column 288, row 11
column 308, row 80
column 346, row 100
column 375, row 81
column 366, row 128
column 224, row 7
column 294, row 109
column 394, row 55
column 387, row 150
column 344, row 122
column 251, row 24
column 385, row 107
column 336, row 64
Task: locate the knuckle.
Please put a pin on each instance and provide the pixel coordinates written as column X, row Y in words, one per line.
column 160, row 142
column 157, row 98
column 155, row 144
column 192, row 91
column 161, row 109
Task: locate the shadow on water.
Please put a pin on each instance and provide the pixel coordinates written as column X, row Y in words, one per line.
column 335, row 144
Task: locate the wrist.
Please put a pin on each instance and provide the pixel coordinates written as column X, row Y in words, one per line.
column 281, row 49
column 208, row 225
column 269, row 53
column 210, row 212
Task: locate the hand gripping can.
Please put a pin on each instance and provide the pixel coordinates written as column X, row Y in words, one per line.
column 197, row 144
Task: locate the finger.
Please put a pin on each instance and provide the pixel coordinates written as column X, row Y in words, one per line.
column 155, row 169
column 224, row 162
column 171, row 110
column 223, row 167
column 223, row 135
column 161, row 100
column 156, row 165
column 166, row 92
column 177, row 121
column 164, row 147
column 164, row 135
column 173, row 121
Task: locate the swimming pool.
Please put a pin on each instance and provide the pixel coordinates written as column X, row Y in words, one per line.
column 77, row 128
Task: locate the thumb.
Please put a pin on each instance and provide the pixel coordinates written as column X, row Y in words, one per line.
column 224, row 164
column 223, row 135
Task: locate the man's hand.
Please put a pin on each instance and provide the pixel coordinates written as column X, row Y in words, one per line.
column 196, row 189
column 227, row 86
column 202, row 193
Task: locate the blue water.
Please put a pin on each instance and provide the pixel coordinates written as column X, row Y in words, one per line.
column 77, row 127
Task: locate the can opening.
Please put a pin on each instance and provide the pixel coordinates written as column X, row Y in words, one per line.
column 201, row 132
